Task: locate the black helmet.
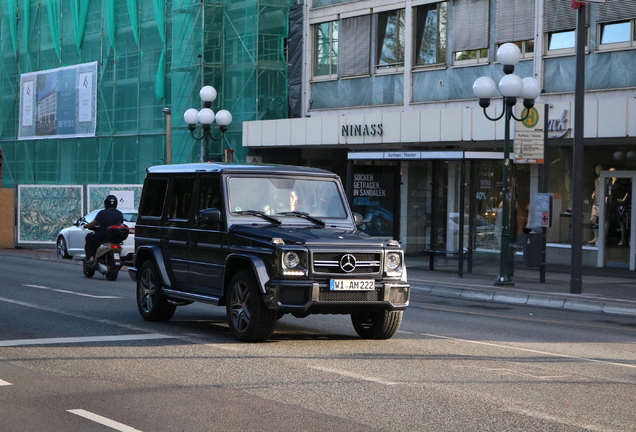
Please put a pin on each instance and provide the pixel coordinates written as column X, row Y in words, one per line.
column 110, row 201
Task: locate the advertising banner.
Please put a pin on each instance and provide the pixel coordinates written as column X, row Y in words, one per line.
column 58, row 103
column 375, row 199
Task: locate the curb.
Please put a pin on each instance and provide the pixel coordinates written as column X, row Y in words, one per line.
column 598, row 306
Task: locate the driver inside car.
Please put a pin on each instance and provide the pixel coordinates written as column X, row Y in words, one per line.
column 105, row 218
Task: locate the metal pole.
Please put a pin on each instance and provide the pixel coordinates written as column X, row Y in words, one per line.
column 543, row 188
column 471, row 215
column 462, row 197
column 504, row 277
column 577, row 157
column 168, row 113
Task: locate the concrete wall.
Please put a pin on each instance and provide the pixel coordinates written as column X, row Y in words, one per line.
column 7, row 218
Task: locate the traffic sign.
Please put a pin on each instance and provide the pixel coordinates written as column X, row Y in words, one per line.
column 529, row 135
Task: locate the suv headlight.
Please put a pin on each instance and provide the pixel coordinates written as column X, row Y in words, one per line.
column 292, row 264
column 291, row 260
column 393, row 264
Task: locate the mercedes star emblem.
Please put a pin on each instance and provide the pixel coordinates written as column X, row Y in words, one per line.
column 348, row 263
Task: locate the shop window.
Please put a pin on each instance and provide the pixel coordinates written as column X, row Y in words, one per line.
column 617, row 35
column 326, row 49
column 390, row 39
column 430, row 33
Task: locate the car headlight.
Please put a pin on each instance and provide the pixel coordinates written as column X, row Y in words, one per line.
column 291, row 260
column 293, row 264
column 393, row 261
column 393, row 264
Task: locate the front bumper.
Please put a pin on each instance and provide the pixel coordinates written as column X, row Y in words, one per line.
column 315, row 297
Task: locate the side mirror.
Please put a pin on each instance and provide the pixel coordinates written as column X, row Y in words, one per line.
column 357, row 218
column 211, row 215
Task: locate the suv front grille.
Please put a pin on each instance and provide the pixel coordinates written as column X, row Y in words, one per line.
column 330, row 262
column 349, row 296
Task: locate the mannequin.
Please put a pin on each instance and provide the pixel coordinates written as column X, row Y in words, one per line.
column 596, row 195
column 618, row 194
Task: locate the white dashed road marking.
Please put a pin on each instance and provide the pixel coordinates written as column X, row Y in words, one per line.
column 103, row 420
column 70, row 292
column 355, row 375
column 4, row 383
column 84, row 339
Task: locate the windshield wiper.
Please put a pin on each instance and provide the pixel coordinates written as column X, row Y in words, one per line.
column 303, row 215
column 259, row 213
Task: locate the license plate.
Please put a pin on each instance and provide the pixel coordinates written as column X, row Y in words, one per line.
column 351, row 284
column 116, row 255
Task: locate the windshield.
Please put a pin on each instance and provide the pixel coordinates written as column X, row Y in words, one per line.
column 318, row 198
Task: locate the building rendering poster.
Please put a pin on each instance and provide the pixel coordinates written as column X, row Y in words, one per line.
column 58, row 103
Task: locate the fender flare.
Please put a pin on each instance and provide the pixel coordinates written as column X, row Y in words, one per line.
column 144, row 253
column 256, row 263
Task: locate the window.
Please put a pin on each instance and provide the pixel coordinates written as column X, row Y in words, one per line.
column 181, row 197
column 390, row 39
column 514, row 23
column 617, row 25
column 562, row 40
column 560, row 25
column 153, row 197
column 355, row 48
column 472, row 56
column 210, row 193
column 526, row 47
column 430, row 33
column 326, row 49
column 470, row 31
column 617, row 35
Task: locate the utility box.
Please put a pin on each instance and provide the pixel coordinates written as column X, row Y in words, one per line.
column 532, row 248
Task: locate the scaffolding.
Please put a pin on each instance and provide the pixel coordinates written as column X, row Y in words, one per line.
column 151, row 55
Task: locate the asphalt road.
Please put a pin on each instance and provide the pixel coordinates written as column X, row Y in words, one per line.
column 76, row 356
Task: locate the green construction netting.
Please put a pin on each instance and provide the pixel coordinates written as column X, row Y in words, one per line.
column 151, row 55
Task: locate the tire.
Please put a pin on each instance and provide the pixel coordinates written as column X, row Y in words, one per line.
column 113, row 270
column 152, row 305
column 249, row 319
column 376, row 323
column 62, row 250
column 88, row 271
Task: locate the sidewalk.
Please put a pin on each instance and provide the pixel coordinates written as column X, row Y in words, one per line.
column 605, row 290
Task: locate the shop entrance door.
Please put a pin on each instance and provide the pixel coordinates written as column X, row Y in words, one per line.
column 616, row 238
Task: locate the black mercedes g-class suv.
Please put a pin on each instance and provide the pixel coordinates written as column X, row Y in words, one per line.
column 262, row 240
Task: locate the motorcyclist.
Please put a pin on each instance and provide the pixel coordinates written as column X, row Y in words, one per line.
column 105, row 218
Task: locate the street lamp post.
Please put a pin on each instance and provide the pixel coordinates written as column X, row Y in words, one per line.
column 511, row 87
column 206, row 117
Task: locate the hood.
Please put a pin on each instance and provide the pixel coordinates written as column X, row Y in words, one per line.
column 307, row 235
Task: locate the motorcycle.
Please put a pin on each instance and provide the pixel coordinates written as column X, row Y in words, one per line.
column 108, row 256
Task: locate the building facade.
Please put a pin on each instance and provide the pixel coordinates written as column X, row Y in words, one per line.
column 94, row 91
column 152, row 58
column 387, row 102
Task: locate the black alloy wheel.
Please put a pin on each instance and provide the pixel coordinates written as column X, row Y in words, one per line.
column 152, row 305
column 249, row 319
